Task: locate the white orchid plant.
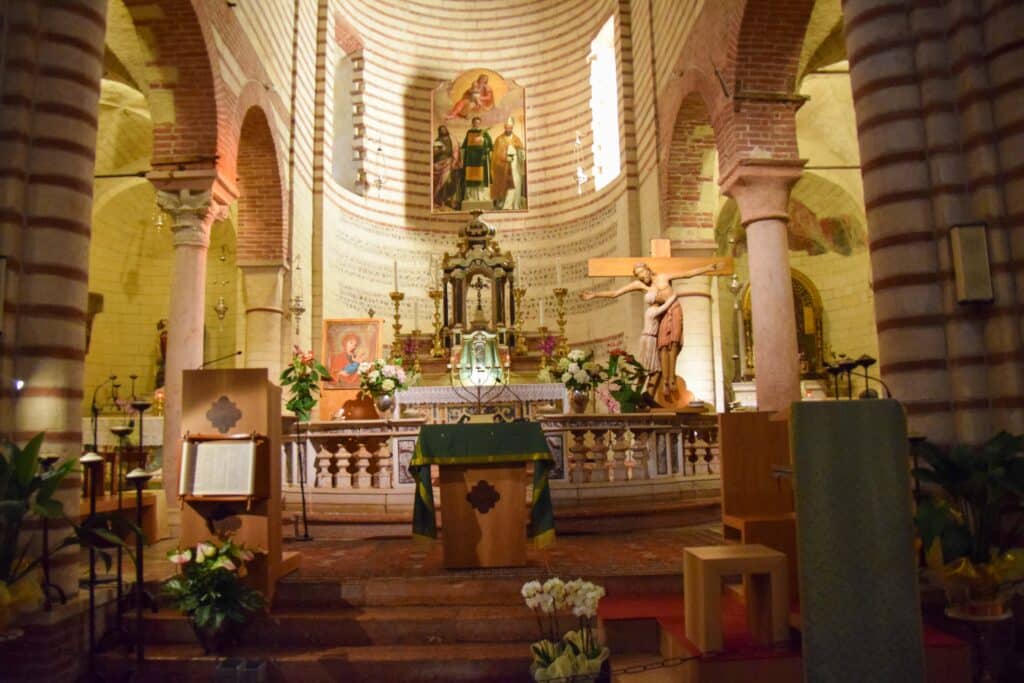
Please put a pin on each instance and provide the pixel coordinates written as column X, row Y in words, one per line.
column 381, row 379
column 577, row 652
column 577, row 370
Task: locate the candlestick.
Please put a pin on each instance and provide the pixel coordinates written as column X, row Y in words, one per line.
column 558, row 273
column 520, row 346
column 396, row 345
column 394, row 264
column 540, row 318
column 416, row 315
column 436, row 349
column 562, row 349
column 545, row 359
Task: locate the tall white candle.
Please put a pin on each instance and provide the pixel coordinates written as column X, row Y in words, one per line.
column 394, row 263
column 541, row 316
column 558, row 272
column 416, row 314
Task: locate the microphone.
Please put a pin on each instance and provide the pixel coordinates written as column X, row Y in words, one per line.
column 217, row 360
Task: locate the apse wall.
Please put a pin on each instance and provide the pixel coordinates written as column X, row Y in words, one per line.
column 408, row 48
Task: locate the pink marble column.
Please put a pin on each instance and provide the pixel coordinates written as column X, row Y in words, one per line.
column 192, row 214
column 761, row 189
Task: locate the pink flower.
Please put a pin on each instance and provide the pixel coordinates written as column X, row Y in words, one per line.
column 225, row 563
column 180, row 557
column 246, row 555
column 204, row 551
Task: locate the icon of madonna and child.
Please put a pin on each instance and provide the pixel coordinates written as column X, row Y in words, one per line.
column 478, row 152
column 347, row 344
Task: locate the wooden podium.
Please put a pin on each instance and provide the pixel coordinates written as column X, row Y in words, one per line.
column 224, row 408
column 483, row 482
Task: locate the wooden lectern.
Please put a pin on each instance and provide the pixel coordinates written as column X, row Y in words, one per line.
column 231, row 467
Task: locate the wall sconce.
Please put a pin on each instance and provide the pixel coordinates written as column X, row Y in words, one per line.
column 297, row 307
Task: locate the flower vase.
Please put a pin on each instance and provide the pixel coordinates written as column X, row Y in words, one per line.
column 215, row 641
column 578, row 401
column 385, row 405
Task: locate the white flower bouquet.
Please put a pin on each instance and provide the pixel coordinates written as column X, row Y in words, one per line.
column 576, row 655
column 578, row 371
column 381, row 379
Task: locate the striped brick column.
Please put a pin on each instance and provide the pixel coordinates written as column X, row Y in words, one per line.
column 910, row 303
column 48, row 124
column 761, row 190
column 192, row 214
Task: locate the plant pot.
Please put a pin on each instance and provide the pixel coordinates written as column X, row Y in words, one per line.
column 991, row 607
column 385, row 405
column 578, row 401
column 215, row 641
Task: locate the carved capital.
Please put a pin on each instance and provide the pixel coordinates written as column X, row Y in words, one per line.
column 761, row 187
column 192, row 213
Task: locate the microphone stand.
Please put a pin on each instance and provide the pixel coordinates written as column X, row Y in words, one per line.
column 217, row 360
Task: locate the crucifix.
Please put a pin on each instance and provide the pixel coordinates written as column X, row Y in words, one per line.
column 479, row 284
column 661, row 337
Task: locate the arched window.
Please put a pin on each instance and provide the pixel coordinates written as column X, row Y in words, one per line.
column 604, row 105
column 345, row 168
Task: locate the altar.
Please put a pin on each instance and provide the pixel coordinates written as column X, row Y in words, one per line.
column 448, row 404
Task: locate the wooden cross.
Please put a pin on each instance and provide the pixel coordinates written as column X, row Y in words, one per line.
column 660, row 261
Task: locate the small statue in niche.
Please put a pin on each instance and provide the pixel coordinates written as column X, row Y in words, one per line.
column 161, row 358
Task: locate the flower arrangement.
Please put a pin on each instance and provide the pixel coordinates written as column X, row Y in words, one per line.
column 579, row 372
column 303, row 377
column 577, row 655
column 209, row 590
column 381, row 379
column 626, row 377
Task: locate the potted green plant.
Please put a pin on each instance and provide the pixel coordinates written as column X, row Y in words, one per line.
column 28, row 490
column 209, row 590
column 577, row 655
column 962, row 519
column 302, row 377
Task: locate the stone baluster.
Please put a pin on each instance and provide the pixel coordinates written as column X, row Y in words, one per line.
column 578, row 456
column 640, row 454
column 382, row 477
column 361, row 479
column 620, row 449
column 343, row 478
column 691, row 456
column 324, row 479
column 599, row 464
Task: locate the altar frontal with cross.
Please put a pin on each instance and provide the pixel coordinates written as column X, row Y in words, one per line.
column 662, row 386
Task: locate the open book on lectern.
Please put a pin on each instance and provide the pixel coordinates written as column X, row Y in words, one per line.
column 218, row 468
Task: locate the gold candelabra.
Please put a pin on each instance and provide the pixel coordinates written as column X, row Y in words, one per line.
column 436, row 348
column 396, row 345
column 415, row 339
column 545, row 359
column 518, row 294
column 562, row 349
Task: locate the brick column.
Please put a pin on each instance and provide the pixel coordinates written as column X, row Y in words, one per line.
column 264, row 316
column 192, row 214
column 761, row 189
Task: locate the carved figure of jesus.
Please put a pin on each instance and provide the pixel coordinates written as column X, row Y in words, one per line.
column 667, row 311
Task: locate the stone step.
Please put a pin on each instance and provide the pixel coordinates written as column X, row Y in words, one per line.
column 370, row 626
column 447, row 663
column 498, row 587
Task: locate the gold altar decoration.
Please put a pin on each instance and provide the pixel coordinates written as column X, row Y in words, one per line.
column 562, row 349
column 436, row 347
column 396, row 345
column 519, row 293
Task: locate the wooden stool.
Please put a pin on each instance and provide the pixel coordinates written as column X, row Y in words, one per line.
column 765, row 588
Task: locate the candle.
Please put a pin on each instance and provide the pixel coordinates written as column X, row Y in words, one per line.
column 395, row 264
column 416, row 314
column 558, row 272
column 541, row 316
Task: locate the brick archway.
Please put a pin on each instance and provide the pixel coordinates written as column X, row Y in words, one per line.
column 262, row 236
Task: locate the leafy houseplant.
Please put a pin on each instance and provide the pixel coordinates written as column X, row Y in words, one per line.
column 577, row 655
column 626, row 377
column 209, row 590
column 962, row 522
column 303, row 377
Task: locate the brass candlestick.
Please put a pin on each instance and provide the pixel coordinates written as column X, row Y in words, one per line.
column 436, row 348
column 545, row 359
column 562, row 349
column 518, row 293
column 415, row 339
column 396, row 345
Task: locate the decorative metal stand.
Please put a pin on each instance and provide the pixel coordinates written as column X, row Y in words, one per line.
column 141, row 405
column 562, row 349
column 139, row 478
column 48, row 461
column 518, row 294
column 436, row 347
column 545, row 359
column 90, row 463
column 121, row 432
column 396, row 345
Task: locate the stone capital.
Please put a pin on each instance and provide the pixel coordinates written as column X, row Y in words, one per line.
column 192, row 213
column 761, row 187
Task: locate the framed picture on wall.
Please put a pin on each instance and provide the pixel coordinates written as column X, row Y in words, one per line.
column 347, row 343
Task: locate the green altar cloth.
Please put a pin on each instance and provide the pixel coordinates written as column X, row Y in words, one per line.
column 476, row 444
